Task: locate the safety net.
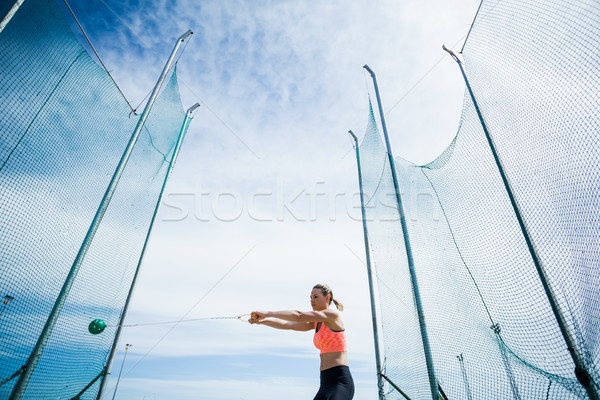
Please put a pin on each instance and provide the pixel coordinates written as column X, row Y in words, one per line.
column 64, row 126
column 479, row 319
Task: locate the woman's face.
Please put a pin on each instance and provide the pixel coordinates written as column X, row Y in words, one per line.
column 318, row 301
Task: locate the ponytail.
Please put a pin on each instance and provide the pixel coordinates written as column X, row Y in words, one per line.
column 338, row 304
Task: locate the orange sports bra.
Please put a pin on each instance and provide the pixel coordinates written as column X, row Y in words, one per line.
column 329, row 341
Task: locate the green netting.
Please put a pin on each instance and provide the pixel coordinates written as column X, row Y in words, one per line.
column 63, row 129
column 534, row 68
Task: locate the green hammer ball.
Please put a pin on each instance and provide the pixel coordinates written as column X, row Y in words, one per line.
column 96, row 326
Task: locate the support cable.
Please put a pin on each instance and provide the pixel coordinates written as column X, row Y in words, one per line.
column 394, row 385
column 10, row 14
column 471, row 28
column 10, row 378
column 89, row 385
column 98, row 56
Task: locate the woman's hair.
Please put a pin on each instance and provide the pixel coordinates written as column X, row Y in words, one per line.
column 326, row 290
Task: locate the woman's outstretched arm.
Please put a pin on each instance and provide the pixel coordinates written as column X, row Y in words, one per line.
column 281, row 324
column 298, row 316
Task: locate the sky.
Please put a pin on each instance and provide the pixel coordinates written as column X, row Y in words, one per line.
column 263, row 200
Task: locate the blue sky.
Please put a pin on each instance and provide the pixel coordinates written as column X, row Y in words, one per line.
column 262, row 203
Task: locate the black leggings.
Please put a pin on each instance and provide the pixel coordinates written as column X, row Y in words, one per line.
column 336, row 384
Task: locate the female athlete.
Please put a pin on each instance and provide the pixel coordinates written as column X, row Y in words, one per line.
column 330, row 339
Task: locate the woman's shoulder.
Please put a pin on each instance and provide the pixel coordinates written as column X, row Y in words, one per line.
column 334, row 322
column 332, row 314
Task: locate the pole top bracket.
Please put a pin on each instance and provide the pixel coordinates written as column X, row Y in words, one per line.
column 369, row 69
column 452, row 54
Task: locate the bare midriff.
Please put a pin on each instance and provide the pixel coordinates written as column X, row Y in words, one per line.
column 334, row 359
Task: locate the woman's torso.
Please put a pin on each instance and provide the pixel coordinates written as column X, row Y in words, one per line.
column 332, row 359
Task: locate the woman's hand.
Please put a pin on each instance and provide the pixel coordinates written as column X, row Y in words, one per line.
column 256, row 317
